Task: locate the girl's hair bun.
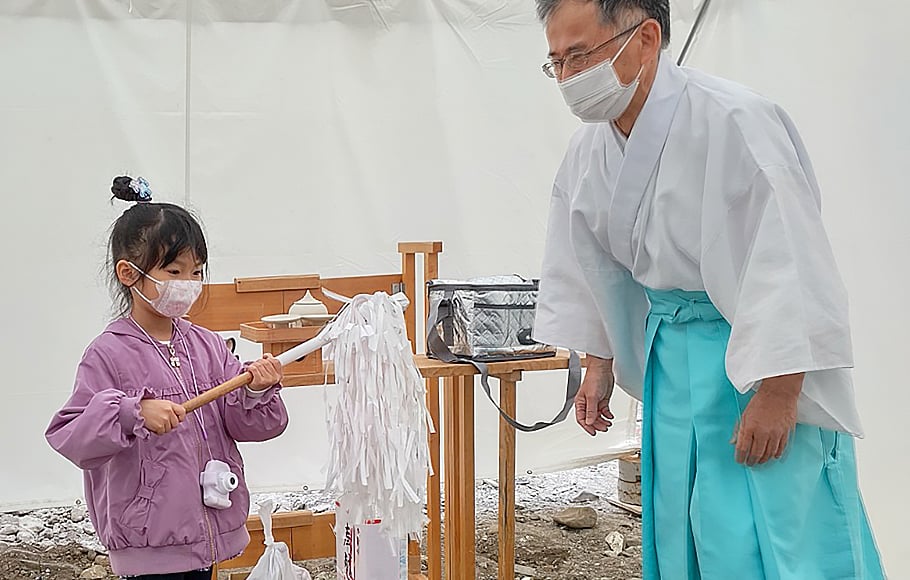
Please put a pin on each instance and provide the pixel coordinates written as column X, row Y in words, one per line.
column 131, row 189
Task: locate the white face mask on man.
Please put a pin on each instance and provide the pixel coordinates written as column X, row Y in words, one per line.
column 597, row 95
column 175, row 297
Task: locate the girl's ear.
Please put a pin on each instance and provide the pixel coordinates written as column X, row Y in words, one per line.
column 126, row 273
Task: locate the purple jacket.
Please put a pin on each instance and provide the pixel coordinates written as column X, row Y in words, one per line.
column 142, row 489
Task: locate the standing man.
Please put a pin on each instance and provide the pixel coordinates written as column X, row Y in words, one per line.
column 686, row 256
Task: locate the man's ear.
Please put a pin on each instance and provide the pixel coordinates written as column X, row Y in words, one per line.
column 651, row 39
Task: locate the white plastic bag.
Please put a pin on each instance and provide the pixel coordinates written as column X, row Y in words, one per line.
column 275, row 563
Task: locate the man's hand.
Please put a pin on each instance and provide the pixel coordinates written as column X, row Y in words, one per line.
column 592, row 403
column 768, row 420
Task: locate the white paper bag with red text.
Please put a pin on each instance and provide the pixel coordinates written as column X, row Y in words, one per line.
column 363, row 552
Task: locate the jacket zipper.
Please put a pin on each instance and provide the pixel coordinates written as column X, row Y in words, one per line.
column 197, row 432
column 205, row 511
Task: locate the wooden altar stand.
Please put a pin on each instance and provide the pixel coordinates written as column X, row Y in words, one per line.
column 225, row 307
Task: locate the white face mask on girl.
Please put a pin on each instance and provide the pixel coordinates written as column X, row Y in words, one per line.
column 597, row 95
column 175, row 297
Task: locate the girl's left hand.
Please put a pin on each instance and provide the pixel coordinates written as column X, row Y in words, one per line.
column 266, row 373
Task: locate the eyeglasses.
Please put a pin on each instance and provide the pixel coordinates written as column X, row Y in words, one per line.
column 579, row 60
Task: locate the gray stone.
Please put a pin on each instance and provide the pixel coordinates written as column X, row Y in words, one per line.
column 585, row 497
column 25, row 537
column 577, row 518
column 102, row 561
column 617, row 543
column 525, row 570
column 96, row 572
column 9, row 530
column 31, row 524
column 77, row 514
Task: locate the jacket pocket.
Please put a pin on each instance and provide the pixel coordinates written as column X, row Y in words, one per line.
column 167, row 510
column 133, row 522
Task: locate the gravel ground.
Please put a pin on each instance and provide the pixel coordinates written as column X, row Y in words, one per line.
column 60, row 543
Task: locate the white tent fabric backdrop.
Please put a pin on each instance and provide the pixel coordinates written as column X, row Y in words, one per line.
column 318, row 135
column 311, row 136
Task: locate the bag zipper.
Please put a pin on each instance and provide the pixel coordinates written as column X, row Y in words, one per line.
column 530, row 286
column 504, row 306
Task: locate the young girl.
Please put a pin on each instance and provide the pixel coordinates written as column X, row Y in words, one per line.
column 165, row 489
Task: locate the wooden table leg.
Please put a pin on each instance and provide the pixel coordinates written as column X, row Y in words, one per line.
column 451, row 483
column 414, row 572
column 409, row 277
column 459, row 478
column 434, row 506
column 507, row 387
column 468, row 511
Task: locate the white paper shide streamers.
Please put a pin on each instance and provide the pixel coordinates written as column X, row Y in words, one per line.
column 378, row 427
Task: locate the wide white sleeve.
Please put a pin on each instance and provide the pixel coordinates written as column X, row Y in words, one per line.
column 567, row 314
column 768, row 266
column 589, row 302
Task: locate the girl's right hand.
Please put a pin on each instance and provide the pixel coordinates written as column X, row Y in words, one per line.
column 161, row 416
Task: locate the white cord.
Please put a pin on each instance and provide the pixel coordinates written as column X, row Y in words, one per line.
column 178, row 376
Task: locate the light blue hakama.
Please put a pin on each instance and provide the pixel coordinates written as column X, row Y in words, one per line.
column 708, row 517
